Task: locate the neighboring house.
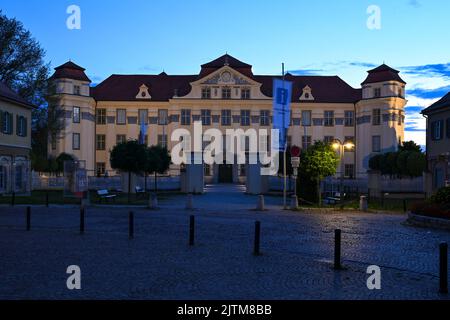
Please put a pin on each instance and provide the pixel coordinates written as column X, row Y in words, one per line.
column 438, row 144
column 15, row 141
column 226, row 94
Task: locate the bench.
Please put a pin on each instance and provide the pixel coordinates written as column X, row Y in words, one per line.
column 334, row 199
column 139, row 191
column 104, row 194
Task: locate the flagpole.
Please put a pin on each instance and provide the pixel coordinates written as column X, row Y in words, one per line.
column 284, row 148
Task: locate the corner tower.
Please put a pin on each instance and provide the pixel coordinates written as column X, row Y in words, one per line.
column 380, row 115
column 76, row 108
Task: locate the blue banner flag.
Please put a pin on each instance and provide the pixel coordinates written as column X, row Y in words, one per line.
column 282, row 95
column 143, row 132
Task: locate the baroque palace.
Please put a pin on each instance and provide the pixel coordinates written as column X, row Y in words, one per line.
column 226, row 94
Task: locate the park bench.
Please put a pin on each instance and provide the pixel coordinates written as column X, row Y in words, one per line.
column 335, row 198
column 104, row 194
column 139, row 191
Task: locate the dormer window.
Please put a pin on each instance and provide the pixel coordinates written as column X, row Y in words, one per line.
column 76, row 90
column 143, row 93
column 245, row 94
column 307, row 94
column 206, row 93
column 226, row 93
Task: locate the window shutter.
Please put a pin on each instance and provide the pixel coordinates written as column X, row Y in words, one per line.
column 17, row 125
column 25, row 126
column 433, row 130
column 11, row 121
column 1, row 120
column 441, row 129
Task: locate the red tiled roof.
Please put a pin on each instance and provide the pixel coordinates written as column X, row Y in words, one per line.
column 70, row 70
column 383, row 73
column 9, row 95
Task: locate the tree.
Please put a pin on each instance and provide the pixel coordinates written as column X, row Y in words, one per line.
column 416, row 164
column 409, row 146
column 316, row 163
column 61, row 159
column 131, row 157
column 22, row 68
column 158, row 162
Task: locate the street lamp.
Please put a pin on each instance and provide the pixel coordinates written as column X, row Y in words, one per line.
column 341, row 147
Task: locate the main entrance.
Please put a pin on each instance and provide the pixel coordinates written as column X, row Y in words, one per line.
column 226, row 173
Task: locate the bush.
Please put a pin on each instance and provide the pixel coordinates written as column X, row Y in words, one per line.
column 437, row 206
column 442, row 196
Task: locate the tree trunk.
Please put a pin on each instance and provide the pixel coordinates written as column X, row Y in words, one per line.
column 319, row 193
column 129, row 187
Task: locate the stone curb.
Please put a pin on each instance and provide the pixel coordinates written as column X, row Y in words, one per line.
column 428, row 222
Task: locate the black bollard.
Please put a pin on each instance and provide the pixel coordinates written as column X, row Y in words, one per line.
column 13, row 199
column 443, row 268
column 256, row 249
column 191, row 230
column 131, row 225
column 404, row 206
column 337, row 249
column 82, row 220
column 28, row 218
column 46, row 199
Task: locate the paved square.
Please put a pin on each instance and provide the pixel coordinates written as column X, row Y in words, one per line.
column 158, row 264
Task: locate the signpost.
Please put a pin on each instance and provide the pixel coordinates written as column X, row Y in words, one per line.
column 295, row 162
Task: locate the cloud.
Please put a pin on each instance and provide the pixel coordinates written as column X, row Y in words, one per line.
column 414, row 3
column 429, row 70
column 307, row 72
column 362, row 64
column 429, row 93
column 148, row 68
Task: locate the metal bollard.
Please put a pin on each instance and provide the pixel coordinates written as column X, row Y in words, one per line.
column 443, row 268
column 337, row 249
column 13, row 199
column 28, row 218
column 191, row 230
column 46, row 199
column 131, row 225
column 256, row 250
column 82, row 220
column 405, row 206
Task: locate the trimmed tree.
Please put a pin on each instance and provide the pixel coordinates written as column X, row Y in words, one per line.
column 130, row 157
column 158, row 162
column 316, row 163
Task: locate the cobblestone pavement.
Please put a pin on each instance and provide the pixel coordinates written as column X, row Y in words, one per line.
column 297, row 250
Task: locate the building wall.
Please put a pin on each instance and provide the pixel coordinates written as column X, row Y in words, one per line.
column 13, row 145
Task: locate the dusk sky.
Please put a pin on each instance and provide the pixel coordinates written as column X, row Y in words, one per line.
column 310, row 37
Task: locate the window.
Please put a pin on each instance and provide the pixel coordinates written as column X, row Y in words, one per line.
column 289, row 141
column 185, row 117
column 162, row 140
column 207, row 168
column 448, row 128
column 349, row 171
column 400, row 92
column 328, row 118
column 100, row 142
column 121, row 116
column 121, row 138
column 328, row 139
column 306, row 142
column 400, row 118
column 163, row 117
column 75, row 141
column 245, row 94
column 376, row 143
column 76, row 115
column 437, row 130
column 53, row 141
column 226, row 93
column 206, row 117
column 377, row 92
column 142, row 116
column 206, row 93
column 264, row 118
column 100, row 168
column 306, row 118
column 349, row 117
column 76, row 90
column 226, row 117
column 21, row 126
column 100, row 116
column 6, row 122
column 245, row 117
column 376, row 117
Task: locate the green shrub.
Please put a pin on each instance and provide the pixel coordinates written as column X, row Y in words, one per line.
column 442, row 196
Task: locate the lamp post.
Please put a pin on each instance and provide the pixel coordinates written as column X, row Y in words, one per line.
column 338, row 145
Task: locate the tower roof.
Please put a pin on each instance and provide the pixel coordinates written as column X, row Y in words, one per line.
column 70, row 70
column 226, row 60
column 383, row 73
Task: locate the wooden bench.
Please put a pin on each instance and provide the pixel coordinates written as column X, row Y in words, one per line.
column 104, row 194
column 334, row 199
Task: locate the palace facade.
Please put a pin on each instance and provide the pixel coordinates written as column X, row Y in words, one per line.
column 226, row 94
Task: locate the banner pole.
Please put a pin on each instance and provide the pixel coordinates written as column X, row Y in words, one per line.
column 284, row 147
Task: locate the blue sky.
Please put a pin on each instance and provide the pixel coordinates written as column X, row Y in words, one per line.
column 310, row 37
